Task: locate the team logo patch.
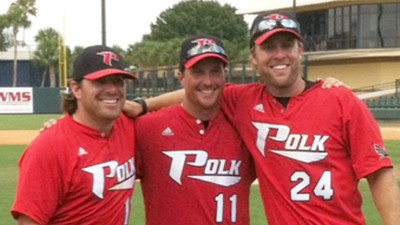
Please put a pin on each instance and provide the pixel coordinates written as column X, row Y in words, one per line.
column 167, row 132
column 123, row 175
column 259, row 108
column 204, row 41
column 221, row 172
column 380, row 150
column 82, row 151
column 108, row 57
column 300, row 147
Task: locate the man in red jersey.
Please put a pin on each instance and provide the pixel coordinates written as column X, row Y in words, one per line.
column 311, row 146
column 81, row 171
column 194, row 168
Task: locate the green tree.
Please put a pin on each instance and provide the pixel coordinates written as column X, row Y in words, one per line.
column 47, row 53
column 197, row 16
column 118, row 49
column 18, row 17
column 161, row 46
column 154, row 53
column 4, row 42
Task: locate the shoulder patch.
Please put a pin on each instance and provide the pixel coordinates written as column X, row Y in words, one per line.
column 380, row 150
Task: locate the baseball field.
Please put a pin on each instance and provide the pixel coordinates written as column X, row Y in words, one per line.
column 16, row 131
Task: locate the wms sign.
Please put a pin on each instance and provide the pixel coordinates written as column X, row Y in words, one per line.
column 16, row 100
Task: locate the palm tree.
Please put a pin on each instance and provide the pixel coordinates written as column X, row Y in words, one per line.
column 17, row 17
column 46, row 53
column 3, row 36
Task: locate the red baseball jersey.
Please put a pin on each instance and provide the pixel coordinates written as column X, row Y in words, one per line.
column 191, row 175
column 309, row 156
column 72, row 174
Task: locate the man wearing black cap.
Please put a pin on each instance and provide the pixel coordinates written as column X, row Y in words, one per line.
column 81, row 171
column 311, row 146
column 194, row 169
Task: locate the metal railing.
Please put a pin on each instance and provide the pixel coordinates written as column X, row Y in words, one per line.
column 376, row 87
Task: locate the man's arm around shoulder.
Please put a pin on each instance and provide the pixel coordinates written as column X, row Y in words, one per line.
column 133, row 109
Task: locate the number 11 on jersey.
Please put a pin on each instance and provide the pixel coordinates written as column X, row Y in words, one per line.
column 219, row 199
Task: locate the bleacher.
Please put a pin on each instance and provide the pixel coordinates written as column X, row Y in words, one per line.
column 386, row 104
column 383, row 100
column 392, row 101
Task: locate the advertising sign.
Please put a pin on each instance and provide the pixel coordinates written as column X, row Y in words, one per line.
column 16, row 100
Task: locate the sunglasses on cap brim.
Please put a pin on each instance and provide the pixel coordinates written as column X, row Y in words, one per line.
column 269, row 24
column 207, row 48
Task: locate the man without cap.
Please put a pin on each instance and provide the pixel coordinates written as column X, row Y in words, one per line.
column 311, row 146
column 82, row 171
column 193, row 166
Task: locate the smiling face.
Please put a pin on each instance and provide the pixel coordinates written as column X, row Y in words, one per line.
column 203, row 84
column 278, row 61
column 100, row 101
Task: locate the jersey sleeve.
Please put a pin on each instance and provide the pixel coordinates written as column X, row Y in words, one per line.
column 40, row 183
column 230, row 99
column 365, row 141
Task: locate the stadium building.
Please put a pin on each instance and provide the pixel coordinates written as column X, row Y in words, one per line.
column 356, row 41
column 29, row 74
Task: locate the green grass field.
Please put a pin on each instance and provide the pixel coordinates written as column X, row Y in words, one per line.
column 25, row 122
column 9, row 155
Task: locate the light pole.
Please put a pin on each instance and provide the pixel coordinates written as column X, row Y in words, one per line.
column 294, row 8
column 103, row 22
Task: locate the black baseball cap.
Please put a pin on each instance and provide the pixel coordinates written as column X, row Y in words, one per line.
column 99, row 61
column 201, row 46
column 266, row 25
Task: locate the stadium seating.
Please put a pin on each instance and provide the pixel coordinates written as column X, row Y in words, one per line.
column 391, row 101
column 385, row 107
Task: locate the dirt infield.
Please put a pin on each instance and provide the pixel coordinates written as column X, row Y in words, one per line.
column 391, row 133
column 17, row 137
